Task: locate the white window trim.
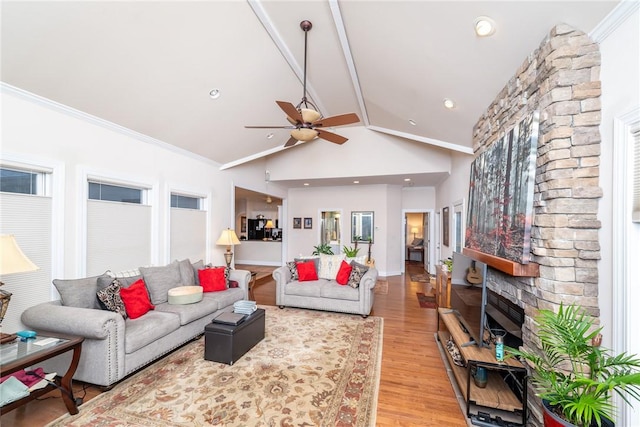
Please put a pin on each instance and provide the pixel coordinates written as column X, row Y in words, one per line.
column 54, row 190
column 458, row 206
column 206, row 206
column 109, row 177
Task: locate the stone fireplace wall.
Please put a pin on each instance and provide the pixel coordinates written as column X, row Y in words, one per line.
column 561, row 80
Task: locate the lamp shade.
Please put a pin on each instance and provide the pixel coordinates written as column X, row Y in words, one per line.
column 414, row 229
column 269, row 224
column 228, row 238
column 12, row 259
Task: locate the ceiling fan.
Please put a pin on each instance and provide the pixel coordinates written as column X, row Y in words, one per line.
column 306, row 121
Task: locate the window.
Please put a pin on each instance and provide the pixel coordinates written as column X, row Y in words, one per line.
column 185, row 202
column 458, row 226
column 115, row 193
column 23, row 181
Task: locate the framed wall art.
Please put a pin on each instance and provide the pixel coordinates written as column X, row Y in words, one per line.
column 445, row 226
column 297, row 222
column 308, row 223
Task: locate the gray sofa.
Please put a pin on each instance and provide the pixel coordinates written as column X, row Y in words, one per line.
column 325, row 294
column 115, row 347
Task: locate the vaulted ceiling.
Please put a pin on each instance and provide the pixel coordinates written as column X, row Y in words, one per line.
column 150, row 66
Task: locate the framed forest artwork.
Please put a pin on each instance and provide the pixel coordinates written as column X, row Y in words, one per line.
column 501, row 194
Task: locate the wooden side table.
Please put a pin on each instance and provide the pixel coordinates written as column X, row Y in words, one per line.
column 418, row 249
column 251, row 285
column 19, row 355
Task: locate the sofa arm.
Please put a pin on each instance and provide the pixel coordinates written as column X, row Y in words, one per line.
column 242, row 277
column 85, row 322
column 368, row 281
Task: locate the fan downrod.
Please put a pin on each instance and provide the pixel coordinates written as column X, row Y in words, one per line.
column 306, row 25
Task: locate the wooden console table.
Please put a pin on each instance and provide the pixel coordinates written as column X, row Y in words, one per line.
column 20, row 355
column 443, row 287
column 496, row 399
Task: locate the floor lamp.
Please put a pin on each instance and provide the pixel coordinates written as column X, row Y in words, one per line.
column 228, row 238
column 12, row 260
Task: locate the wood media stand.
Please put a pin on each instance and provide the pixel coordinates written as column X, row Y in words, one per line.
column 495, row 404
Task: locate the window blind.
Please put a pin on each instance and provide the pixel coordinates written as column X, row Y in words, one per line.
column 118, row 236
column 188, row 234
column 28, row 218
column 635, row 214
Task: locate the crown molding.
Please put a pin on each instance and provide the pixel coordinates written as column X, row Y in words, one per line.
column 613, row 20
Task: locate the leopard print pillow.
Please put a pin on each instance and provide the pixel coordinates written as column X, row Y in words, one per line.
column 110, row 297
column 291, row 265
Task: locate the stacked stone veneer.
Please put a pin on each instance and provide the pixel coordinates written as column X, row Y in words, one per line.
column 561, row 80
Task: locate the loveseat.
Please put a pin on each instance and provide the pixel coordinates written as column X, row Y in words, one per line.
column 325, row 293
column 115, row 347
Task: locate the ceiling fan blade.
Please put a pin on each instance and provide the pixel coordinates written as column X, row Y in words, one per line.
column 342, row 119
column 290, row 142
column 290, row 110
column 331, row 137
column 270, row 127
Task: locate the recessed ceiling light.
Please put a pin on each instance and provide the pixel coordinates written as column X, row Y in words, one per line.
column 448, row 103
column 412, row 122
column 484, row 26
column 306, row 184
column 407, row 179
column 214, row 94
column 356, row 182
column 270, row 135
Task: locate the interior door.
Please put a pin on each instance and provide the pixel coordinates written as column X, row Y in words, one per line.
column 427, row 240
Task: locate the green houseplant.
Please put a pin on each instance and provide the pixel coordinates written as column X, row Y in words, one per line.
column 322, row 248
column 573, row 375
column 351, row 252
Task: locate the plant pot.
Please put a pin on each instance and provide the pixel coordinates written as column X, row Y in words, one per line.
column 551, row 419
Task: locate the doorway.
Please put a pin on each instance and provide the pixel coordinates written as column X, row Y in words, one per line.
column 417, row 241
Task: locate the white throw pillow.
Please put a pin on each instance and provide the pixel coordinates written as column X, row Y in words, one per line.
column 329, row 266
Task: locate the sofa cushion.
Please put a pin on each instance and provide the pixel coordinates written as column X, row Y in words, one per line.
column 212, row 279
column 148, row 328
column 187, row 275
column 332, row 289
column 306, row 271
column 329, row 266
column 304, row 289
column 79, row 293
column 226, row 297
column 344, row 273
column 110, row 298
column 356, row 274
column 315, row 259
column 160, row 279
column 136, row 299
column 190, row 312
column 198, row 265
column 125, row 282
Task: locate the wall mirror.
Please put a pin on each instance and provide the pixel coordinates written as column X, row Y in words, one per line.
column 330, row 230
column 362, row 226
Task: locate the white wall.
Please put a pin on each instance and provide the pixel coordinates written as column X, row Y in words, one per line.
column 620, row 76
column 455, row 188
column 35, row 130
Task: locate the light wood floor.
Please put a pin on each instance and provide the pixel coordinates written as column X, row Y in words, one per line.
column 414, row 387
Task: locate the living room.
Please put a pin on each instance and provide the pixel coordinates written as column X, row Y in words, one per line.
column 71, row 149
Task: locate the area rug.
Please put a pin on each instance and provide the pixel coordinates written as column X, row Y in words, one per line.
column 426, row 301
column 424, row 278
column 381, row 288
column 312, row 368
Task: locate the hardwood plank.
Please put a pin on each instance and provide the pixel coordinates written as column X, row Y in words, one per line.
column 414, row 386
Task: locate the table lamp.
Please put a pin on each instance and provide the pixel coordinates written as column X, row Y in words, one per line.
column 414, row 230
column 12, row 260
column 228, row 238
column 268, row 226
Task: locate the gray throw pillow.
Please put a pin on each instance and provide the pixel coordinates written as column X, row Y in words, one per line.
column 110, row 297
column 79, row 293
column 293, row 269
column 187, row 275
column 315, row 259
column 357, row 271
column 159, row 280
column 125, row 282
column 198, row 265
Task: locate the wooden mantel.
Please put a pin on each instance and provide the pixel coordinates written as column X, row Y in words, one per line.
column 506, row 266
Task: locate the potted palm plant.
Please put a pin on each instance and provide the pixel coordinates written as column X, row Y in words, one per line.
column 573, row 375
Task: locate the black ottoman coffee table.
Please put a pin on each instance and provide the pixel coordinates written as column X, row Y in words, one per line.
column 228, row 343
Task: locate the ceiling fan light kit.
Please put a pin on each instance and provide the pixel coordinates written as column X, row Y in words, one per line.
column 305, row 119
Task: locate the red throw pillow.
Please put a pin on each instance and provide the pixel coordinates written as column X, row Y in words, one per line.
column 136, row 299
column 307, row 271
column 212, row 279
column 344, row 273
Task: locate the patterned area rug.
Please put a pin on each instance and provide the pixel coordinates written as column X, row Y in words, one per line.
column 424, row 278
column 381, row 288
column 312, row 369
column 426, row 301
